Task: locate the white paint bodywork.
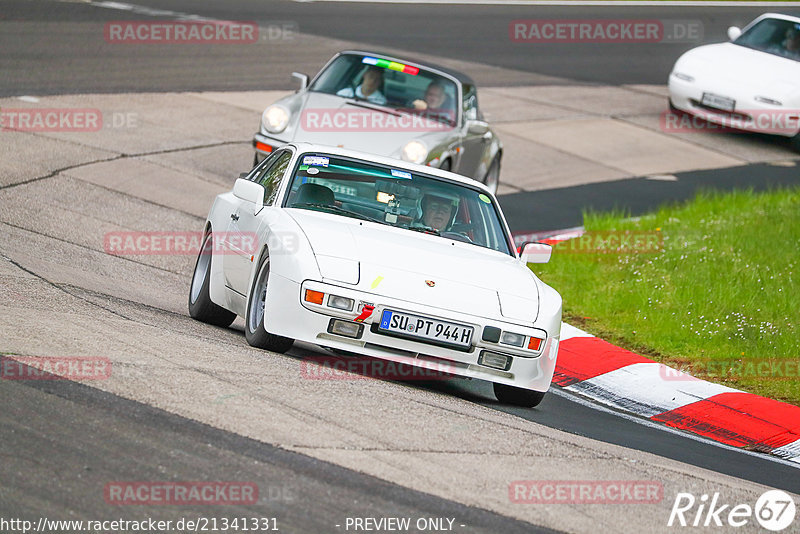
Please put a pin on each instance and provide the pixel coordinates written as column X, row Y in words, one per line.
column 387, row 267
column 742, row 74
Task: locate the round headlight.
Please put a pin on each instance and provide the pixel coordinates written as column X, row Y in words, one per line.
column 275, row 119
column 415, row 152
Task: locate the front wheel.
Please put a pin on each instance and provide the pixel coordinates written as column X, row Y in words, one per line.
column 492, row 178
column 200, row 305
column 254, row 330
column 526, row 398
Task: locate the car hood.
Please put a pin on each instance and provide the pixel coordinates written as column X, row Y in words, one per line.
column 400, row 264
column 742, row 68
column 336, row 121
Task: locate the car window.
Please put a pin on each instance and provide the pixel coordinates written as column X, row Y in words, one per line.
column 773, row 36
column 271, row 175
column 396, row 197
column 402, row 87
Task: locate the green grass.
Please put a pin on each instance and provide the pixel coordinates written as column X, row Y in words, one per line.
column 721, row 294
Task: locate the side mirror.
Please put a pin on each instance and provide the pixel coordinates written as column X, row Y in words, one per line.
column 535, row 253
column 477, row 127
column 734, row 32
column 303, row 79
column 249, row 191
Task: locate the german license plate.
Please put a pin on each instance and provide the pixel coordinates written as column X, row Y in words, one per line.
column 720, row 102
column 425, row 328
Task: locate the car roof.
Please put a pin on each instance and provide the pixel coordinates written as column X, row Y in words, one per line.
column 392, row 162
column 458, row 75
column 781, row 16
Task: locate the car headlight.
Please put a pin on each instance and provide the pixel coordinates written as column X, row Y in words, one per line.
column 415, row 152
column 682, row 76
column 275, row 119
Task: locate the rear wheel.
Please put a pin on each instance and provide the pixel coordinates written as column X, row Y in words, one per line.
column 254, row 330
column 517, row 396
column 200, row 305
column 492, row 178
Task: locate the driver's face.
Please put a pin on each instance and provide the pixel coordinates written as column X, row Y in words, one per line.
column 437, row 213
column 371, row 81
column 434, row 96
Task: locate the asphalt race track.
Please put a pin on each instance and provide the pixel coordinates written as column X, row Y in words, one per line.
column 189, row 402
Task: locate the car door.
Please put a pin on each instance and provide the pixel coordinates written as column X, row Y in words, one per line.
column 476, row 135
column 245, row 223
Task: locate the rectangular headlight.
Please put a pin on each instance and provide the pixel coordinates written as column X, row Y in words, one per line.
column 495, row 360
column 340, row 303
column 510, row 338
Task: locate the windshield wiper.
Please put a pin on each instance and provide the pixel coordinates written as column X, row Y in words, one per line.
column 368, row 104
column 337, row 210
column 424, row 230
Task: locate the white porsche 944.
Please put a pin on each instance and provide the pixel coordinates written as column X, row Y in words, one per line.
column 382, row 258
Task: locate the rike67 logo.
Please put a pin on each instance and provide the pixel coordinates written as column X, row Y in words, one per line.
column 774, row 510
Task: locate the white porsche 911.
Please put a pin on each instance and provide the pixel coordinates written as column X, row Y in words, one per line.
column 751, row 83
column 383, row 258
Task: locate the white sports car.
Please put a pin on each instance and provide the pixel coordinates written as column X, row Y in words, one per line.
column 751, row 83
column 388, row 259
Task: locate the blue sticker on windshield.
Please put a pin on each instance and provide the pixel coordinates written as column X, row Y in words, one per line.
column 401, row 174
column 315, row 160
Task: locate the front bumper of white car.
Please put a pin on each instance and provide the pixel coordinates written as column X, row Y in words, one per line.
column 748, row 114
column 289, row 315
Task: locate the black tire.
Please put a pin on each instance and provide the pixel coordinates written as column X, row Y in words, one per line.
column 446, row 165
column 674, row 110
column 795, row 143
column 254, row 330
column 517, row 396
column 256, row 160
column 492, row 178
column 200, row 305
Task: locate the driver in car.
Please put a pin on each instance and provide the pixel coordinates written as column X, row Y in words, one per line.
column 439, row 210
column 369, row 89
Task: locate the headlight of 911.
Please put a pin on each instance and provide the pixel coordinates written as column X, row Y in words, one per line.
column 682, row 76
column 415, row 152
column 275, row 119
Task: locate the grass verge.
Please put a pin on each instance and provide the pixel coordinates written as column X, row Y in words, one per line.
column 718, row 297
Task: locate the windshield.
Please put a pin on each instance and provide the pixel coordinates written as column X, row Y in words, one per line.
column 388, row 83
column 774, row 36
column 395, row 197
